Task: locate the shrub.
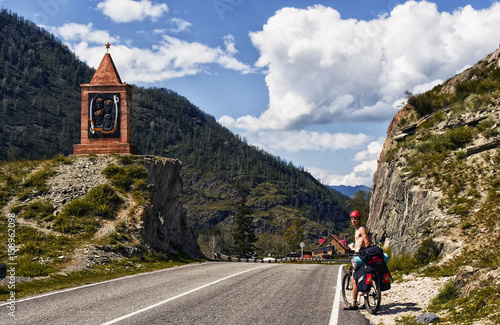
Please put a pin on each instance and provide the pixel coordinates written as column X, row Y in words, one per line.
column 426, row 252
column 405, row 263
column 83, row 214
column 136, row 172
column 123, row 177
column 422, row 103
column 112, row 170
column 459, row 137
column 461, row 206
column 28, row 268
column 126, row 159
column 449, row 292
column 38, row 210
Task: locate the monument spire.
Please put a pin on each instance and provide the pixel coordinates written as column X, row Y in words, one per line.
column 106, row 73
column 106, row 113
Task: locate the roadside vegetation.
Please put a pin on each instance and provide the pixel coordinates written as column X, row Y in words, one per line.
column 452, row 304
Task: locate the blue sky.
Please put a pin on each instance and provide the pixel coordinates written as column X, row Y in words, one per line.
column 313, row 82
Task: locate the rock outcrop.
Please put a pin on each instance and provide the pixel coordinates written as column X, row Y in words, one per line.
column 448, row 194
column 164, row 221
column 399, row 210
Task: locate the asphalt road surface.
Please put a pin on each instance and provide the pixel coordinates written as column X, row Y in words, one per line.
column 206, row 293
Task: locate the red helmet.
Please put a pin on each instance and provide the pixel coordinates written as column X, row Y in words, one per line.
column 355, row 214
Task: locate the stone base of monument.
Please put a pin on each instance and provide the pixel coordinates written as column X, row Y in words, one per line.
column 104, row 148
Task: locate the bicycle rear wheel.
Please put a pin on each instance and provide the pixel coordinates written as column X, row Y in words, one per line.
column 373, row 297
column 347, row 289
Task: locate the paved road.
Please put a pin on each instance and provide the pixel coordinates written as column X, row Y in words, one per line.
column 207, row 293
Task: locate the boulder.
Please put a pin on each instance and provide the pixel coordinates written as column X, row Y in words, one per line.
column 427, row 318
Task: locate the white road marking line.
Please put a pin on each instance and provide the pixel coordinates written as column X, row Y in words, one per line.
column 336, row 302
column 178, row 296
column 98, row 283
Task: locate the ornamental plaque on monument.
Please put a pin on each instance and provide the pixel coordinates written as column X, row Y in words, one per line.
column 106, row 116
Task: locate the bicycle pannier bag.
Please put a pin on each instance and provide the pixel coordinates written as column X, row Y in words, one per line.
column 372, row 254
column 385, row 284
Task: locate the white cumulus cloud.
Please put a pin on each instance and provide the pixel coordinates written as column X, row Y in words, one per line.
column 170, row 58
column 371, row 153
column 83, row 33
column 124, row 11
column 323, row 69
column 362, row 172
column 296, row 141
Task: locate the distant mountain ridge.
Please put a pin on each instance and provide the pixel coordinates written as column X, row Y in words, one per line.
column 350, row 190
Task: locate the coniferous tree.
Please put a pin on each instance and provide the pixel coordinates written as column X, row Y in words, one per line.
column 244, row 232
column 361, row 202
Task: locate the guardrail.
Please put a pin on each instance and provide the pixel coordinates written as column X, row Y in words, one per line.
column 226, row 258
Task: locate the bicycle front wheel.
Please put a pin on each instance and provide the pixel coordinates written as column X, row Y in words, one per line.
column 347, row 289
column 373, row 298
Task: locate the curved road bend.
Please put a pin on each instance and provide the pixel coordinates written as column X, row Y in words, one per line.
column 207, row 293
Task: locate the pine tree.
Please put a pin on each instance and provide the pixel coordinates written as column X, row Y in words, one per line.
column 244, row 232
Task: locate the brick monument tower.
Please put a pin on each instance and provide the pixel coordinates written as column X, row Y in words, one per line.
column 106, row 117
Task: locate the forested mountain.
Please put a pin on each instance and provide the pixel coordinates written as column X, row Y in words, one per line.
column 39, row 91
column 40, row 117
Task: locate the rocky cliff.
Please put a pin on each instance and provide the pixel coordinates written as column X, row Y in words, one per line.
column 164, row 221
column 438, row 173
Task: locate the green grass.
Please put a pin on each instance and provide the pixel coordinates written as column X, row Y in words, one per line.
column 407, row 263
column 125, row 178
column 17, row 179
column 84, row 215
column 448, row 293
column 406, row 320
column 36, row 183
column 480, row 304
column 38, row 210
column 486, row 83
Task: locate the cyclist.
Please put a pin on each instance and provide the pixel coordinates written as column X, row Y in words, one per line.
column 361, row 240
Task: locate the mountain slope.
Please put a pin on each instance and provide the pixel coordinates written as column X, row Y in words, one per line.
column 39, row 92
column 40, row 117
